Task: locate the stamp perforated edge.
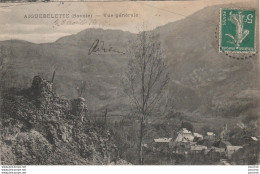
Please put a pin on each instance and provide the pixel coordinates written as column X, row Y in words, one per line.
column 220, row 36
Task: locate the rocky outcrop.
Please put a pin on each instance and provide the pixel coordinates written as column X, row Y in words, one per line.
column 39, row 127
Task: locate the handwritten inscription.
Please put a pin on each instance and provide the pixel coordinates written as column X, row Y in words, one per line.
column 99, row 46
column 60, row 22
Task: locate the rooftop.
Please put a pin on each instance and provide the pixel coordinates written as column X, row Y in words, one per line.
column 198, row 148
column 184, row 138
column 220, row 150
column 197, row 135
column 210, row 133
column 184, row 131
column 234, row 147
column 162, row 140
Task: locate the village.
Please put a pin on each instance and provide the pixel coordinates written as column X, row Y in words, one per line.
column 215, row 148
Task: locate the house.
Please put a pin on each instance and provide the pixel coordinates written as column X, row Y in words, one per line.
column 183, row 142
column 210, row 136
column 254, row 138
column 160, row 144
column 197, row 148
column 231, row 149
column 215, row 154
column 184, row 135
column 198, row 136
column 220, row 151
column 163, row 140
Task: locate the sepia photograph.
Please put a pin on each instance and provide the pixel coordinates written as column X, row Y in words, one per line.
column 130, row 83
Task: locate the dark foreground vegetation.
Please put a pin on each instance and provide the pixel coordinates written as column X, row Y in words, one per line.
column 39, row 127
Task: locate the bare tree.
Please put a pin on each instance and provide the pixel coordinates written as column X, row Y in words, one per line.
column 146, row 78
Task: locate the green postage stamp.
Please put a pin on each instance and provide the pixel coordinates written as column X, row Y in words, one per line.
column 237, row 30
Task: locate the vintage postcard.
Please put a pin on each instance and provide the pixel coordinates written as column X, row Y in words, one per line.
column 130, row 83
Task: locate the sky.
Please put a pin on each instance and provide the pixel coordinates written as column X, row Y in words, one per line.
column 15, row 25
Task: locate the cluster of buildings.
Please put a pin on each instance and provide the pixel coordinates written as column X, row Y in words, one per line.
column 188, row 142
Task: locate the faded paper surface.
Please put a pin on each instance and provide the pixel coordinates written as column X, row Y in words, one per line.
column 126, row 83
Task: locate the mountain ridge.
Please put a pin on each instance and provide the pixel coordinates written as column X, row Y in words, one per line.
column 190, row 48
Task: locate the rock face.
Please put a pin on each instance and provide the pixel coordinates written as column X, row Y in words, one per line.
column 39, row 127
column 79, row 107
